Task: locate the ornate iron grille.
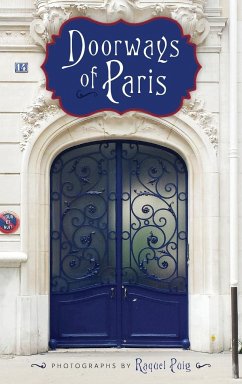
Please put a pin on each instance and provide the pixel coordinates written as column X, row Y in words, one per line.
column 154, row 217
column 118, row 209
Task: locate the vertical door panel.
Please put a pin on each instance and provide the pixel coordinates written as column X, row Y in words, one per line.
column 154, row 246
column 83, row 258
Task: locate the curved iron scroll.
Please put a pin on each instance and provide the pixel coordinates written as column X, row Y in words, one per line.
column 82, row 189
column 155, row 217
column 84, row 230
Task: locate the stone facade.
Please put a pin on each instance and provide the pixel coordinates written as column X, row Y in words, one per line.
column 34, row 130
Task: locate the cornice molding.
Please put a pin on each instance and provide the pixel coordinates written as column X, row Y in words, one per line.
column 12, row 259
column 51, row 14
column 14, row 36
column 47, row 16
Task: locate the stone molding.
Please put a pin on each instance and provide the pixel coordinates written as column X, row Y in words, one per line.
column 12, row 259
column 45, row 110
column 18, row 37
column 30, row 29
column 194, row 108
column 51, row 14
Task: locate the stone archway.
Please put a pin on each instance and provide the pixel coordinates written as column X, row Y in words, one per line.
column 173, row 133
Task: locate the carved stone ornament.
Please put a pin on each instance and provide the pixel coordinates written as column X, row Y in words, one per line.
column 50, row 16
column 194, row 108
column 42, row 110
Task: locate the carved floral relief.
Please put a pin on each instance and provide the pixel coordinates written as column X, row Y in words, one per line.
column 49, row 18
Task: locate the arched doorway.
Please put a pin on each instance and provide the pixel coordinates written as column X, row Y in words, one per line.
column 118, row 246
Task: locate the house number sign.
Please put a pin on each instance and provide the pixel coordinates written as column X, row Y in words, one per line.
column 150, row 66
column 9, row 222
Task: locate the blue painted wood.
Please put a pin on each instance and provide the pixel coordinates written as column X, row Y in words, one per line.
column 154, row 319
column 118, row 247
column 83, row 318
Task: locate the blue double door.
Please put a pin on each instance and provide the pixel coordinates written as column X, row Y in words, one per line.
column 118, row 273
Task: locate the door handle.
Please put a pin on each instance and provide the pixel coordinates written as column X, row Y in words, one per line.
column 125, row 290
column 112, row 295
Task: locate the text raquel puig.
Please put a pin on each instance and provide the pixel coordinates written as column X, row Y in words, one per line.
column 140, row 365
column 173, row 365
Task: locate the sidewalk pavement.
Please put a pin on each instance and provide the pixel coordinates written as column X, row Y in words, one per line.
column 116, row 366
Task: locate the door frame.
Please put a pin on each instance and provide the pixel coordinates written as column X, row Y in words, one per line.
column 176, row 132
column 120, row 302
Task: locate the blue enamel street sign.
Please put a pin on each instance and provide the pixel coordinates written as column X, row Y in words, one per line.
column 150, row 66
column 21, row 67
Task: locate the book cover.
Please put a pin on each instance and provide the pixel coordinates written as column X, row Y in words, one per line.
column 119, row 191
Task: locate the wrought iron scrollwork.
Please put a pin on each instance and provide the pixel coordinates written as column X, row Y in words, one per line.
column 80, row 194
column 84, row 223
column 157, row 222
